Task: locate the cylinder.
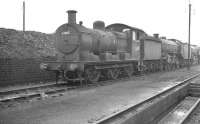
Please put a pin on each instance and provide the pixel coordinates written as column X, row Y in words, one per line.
column 72, row 16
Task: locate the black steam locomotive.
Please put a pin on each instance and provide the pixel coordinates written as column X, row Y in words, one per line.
column 112, row 51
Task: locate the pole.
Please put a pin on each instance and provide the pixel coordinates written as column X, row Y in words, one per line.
column 189, row 36
column 23, row 16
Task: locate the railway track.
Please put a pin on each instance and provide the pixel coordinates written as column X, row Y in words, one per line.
column 53, row 88
column 193, row 116
column 46, row 90
column 144, row 108
column 31, row 91
column 190, row 111
column 180, row 113
column 149, row 110
column 49, row 89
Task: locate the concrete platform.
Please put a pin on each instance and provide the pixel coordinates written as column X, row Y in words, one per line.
column 84, row 106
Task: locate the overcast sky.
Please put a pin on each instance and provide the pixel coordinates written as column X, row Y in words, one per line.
column 167, row 17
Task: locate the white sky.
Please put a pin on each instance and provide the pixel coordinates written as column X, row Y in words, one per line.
column 167, row 17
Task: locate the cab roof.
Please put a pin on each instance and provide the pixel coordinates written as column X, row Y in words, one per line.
column 119, row 27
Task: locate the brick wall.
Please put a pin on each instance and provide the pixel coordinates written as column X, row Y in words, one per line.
column 15, row 71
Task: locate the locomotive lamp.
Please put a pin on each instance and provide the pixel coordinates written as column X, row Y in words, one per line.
column 72, row 67
column 43, row 66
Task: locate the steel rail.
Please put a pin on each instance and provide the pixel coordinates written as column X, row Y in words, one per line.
column 29, row 91
column 27, row 95
column 29, row 87
column 14, row 94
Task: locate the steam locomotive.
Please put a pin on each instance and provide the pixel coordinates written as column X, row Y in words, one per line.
column 112, row 51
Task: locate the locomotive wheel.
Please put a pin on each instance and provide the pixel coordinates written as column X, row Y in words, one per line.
column 129, row 71
column 113, row 73
column 92, row 75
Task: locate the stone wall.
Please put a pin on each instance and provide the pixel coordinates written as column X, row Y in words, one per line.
column 23, row 71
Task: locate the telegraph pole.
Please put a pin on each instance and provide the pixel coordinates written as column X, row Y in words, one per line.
column 23, row 16
column 189, row 36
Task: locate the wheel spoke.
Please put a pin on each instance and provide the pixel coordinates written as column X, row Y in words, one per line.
column 129, row 71
column 113, row 73
column 92, row 75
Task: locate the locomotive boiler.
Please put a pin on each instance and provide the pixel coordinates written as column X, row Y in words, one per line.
column 72, row 37
column 170, row 52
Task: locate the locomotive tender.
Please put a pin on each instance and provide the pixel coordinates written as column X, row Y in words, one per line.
column 110, row 52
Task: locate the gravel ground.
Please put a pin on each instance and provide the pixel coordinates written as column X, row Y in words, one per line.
column 179, row 112
column 164, row 77
column 90, row 104
column 195, row 117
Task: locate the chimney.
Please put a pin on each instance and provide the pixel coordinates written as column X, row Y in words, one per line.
column 72, row 16
column 156, row 35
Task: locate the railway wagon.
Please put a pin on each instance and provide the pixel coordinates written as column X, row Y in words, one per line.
column 151, row 54
column 90, row 54
column 184, row 51
column 195, row 54
column 184, row 54
column 170, row 53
